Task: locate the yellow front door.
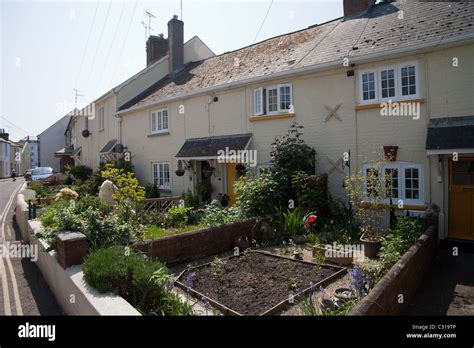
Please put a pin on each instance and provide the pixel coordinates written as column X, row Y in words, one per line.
column 231, row 177
column 461, row 198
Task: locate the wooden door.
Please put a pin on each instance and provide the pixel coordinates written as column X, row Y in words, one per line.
column 461, row 198
column 231, row 177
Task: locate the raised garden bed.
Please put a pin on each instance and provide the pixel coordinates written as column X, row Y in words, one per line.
column 256, row 283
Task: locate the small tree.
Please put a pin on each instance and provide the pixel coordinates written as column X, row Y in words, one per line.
column 128, row 193
column 368, row 194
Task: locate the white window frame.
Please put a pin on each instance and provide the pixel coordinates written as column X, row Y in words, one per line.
column 279, row 97
column 101, row 119
column 417, row 81
column 400, row 166
column 266, row 106
column 379, row 83
column 361, row 88
column 277, row 111
column 158, row 177
column 159, row 125
column 398, row 84
column 256, row 111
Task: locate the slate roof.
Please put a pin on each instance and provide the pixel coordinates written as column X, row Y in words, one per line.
column 376, row 31
column 208, row 147
column 450, row 133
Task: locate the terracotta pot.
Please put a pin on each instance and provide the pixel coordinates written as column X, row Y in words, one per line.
column 371, row 245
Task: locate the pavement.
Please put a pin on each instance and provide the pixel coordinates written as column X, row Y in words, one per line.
column 23, row 289
column 449, row 287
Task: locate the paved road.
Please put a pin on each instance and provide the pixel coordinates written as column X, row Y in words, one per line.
column 23, row 289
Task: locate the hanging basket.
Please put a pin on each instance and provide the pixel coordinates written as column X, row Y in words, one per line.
column 390, row 153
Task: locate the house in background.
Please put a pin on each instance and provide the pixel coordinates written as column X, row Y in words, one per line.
column 33, row 146
column 52, row 141
column 395, row 75
column 15, row 157
column 25, row 159
column 96, row 130
column 5, row 148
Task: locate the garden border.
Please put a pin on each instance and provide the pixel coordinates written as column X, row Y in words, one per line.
column 404, row 278
column 70, row 281
column 198, row 243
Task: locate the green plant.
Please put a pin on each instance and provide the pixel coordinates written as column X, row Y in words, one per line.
column 128, row 193
column 80, row 172
column 152, row 191
column 190, row 201
column 213, row 214
column 312, row 192
column 40, row 189
column 176, row 217
column 142, row 282
column 257, row 194
column 404, row 234
column 204, row 188
column 291, row 221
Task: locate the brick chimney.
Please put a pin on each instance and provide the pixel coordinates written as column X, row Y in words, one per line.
column 356, row 7
column 176, row 44
column 156, row 48
column 4, row 135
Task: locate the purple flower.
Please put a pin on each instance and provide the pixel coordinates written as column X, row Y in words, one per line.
column 190, row 280
column 357, row 281
column 206, row 302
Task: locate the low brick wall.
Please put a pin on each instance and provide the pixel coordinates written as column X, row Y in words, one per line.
column 404, row 278
column 190, row 245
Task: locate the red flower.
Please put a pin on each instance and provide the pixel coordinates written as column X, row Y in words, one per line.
column 312, row 219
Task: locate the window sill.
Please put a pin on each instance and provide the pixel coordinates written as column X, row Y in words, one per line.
column 270, row 117
column 157, row 134
column 379, row 105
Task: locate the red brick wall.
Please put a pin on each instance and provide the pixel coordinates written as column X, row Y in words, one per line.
column 186, row 246
column 404, row 278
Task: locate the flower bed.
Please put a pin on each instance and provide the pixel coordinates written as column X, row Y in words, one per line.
column 255, row 283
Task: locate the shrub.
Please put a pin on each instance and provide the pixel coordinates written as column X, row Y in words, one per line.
column 257, row 195
column 152, row 191
column 80, row 172
column 143, row 283
column 312, row 192
column 404, row 234
column 190, row 201
column 66, row 193
column 40, row 189
column 213, row 214
column 176, row 217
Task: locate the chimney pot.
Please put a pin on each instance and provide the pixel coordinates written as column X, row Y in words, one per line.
column 156, row 48
column 355, row 7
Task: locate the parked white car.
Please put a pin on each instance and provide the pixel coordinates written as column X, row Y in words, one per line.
column 41, row 173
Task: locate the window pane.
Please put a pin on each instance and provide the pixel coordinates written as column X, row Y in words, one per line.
column 412, row 188
column 371, row 182
column 368, row 86
column 391, row 182
column 153, row 122
column 165, row 119
column 272, row 100
column 388, row 83
column 408, row 80
column 285, row 97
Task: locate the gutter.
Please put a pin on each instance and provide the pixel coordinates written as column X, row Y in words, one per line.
column 394, row 53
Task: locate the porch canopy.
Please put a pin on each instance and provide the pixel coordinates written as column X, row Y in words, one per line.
column 209, row 148
column 76, row 152
column 450, row 134
column 65, row 151
column 109, row 147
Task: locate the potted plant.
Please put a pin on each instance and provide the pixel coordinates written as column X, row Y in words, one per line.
column 371, row 242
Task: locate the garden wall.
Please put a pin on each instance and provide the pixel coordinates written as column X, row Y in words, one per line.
column 21, row 212
column 190, row 245
column 71, row 291
column 404, row 278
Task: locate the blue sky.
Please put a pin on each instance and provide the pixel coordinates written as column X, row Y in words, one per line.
column 45, row 52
